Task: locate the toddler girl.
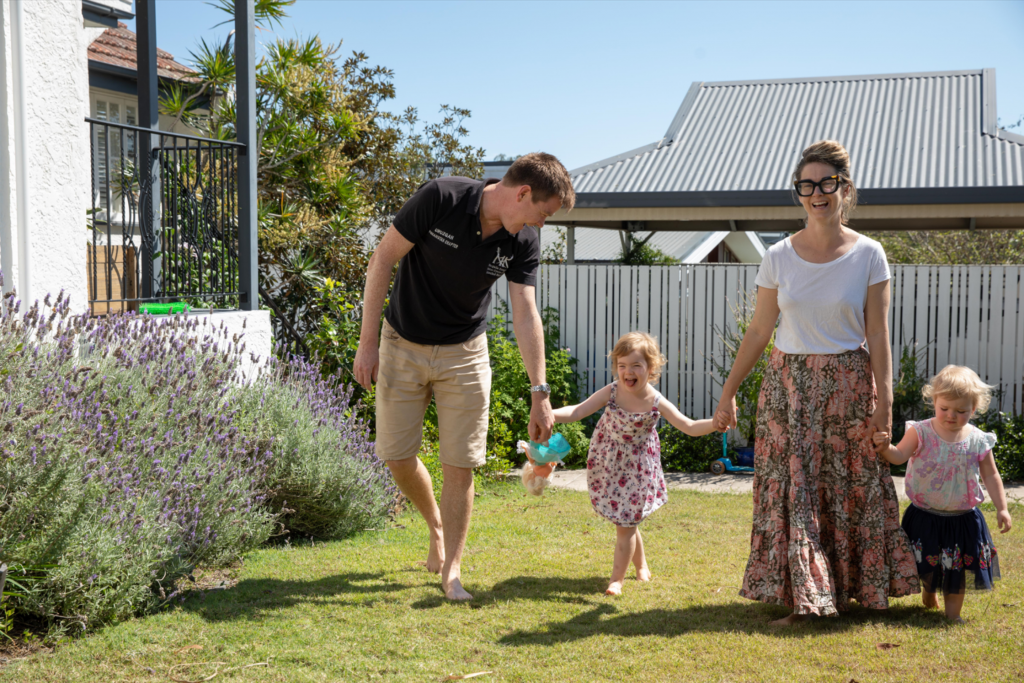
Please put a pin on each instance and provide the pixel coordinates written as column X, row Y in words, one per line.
column 947, row 457
column 624, row 464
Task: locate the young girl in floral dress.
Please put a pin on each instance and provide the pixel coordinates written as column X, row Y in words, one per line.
column 948, row 459
column 624, row 464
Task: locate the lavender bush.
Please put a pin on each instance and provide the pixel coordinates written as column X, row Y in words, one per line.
column 325, row 479
column 130, row 454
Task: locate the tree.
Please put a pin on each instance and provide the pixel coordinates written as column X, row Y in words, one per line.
column 639, row 253
column 953, row 247
column 332, row 167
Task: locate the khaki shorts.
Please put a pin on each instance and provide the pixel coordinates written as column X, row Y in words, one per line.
column 458, row 376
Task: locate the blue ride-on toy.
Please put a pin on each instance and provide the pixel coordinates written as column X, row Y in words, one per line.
column 744, row 460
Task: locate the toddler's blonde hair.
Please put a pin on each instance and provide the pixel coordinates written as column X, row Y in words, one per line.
column 648, row 348
column 958, row 381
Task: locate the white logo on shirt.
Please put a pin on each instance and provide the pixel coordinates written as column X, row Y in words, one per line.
column 502, row 261
column 499, row 265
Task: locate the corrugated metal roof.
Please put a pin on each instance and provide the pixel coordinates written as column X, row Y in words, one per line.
column 927, row 130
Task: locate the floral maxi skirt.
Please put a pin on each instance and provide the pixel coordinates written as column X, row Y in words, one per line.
column 826, row 518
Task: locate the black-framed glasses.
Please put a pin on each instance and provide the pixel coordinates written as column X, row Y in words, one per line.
column 805, row 188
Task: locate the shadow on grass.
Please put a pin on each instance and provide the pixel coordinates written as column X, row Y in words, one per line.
column 606, row 619
column 256, row 596
column 571, row 591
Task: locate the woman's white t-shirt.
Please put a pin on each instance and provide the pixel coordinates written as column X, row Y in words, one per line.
column 822, row 304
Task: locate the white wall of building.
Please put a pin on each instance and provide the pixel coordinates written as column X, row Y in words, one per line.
column 55, row 64
column 255, row 325
column 57, row 145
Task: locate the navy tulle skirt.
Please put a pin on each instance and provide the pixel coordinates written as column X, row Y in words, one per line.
column 954, row 551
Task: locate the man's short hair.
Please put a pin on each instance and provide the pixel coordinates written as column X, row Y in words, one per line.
column 545, row 175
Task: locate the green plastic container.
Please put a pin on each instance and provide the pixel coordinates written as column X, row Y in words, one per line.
column 164, row 309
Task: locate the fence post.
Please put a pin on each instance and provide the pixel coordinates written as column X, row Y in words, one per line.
column 248, row 156
column 149, row 147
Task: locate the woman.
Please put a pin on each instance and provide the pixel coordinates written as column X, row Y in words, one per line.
column 826, row 517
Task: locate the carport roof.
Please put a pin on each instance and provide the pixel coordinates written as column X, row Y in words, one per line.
column 913, row 138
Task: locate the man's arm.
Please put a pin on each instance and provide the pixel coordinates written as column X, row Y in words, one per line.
column 529, row 331
column 391, row 249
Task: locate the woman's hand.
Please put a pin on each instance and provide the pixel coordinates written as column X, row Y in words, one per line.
column 881, row 421
column 725, row 416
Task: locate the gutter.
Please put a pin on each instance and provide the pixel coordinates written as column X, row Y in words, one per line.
column 100, row 14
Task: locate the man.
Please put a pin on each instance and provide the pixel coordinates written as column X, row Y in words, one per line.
column 452, row 240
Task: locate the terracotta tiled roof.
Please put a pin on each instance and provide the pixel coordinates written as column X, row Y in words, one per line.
column 117, row 46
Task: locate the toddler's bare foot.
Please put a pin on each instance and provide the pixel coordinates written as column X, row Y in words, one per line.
column 455, row 591
column 790, row 620
column 643, row 574
column 435, row 556
column 930, row 600
column 614, row 588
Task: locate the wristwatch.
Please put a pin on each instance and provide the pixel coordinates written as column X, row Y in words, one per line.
column 541, row 387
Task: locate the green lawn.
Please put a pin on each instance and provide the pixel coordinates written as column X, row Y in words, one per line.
column 363, row 610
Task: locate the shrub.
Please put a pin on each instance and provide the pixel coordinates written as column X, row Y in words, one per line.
column 907, row 400
column 1009, row 449
column 120, row 476
column 326, row 480
column 682, row 453
column 750, row 388
column 510, row 385
column 130, row 454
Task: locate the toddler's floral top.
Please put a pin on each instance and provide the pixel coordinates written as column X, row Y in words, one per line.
column 943, row 475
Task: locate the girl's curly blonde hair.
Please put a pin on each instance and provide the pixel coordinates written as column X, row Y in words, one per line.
column 648, row 348
column 958, row 381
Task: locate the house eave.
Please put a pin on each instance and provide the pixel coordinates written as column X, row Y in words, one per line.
column 98, row 14
column 923, row 195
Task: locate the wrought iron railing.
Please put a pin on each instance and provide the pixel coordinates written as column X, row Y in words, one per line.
column 183, row 248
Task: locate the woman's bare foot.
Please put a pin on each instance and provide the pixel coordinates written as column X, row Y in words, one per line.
column 435, row 556
column 643, row 574
column 790, row 620
column 614, row 588
column 455, row 591
column 930, row 600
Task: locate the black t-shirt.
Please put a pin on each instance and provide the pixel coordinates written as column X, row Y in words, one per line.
column 443, row 285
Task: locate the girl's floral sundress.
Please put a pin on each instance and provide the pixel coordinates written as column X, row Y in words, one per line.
column 624, row 464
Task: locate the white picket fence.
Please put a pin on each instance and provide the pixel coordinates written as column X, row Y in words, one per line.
column 968, row 315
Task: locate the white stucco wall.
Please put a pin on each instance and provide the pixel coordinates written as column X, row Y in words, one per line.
column 57, row 89
column 257, row 331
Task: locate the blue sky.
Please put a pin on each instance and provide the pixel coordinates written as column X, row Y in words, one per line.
column 588, row 80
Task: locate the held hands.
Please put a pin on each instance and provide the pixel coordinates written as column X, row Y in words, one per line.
column 725, row 416
column 881, row 422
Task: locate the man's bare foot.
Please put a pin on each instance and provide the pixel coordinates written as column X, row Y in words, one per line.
column 614, row 588
column 930, row 600
column 455, row 591
column 790, row 620
column 643, row 574
column 435, row 556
